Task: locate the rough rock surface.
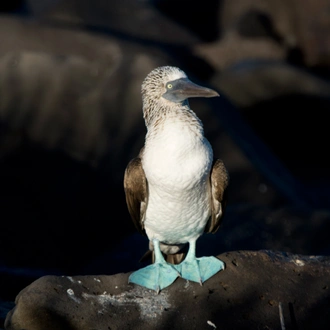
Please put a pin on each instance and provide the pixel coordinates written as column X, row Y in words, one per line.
column 295, row 288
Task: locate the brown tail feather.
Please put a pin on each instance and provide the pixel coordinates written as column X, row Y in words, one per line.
column 175, row 258
column 170, row 258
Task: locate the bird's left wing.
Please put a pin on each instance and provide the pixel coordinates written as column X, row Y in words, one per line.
column 136, row 191
column 219, row 180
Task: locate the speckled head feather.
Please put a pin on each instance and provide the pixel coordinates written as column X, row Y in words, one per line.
column 153, row 85
column 152, row 89
column 165, row 94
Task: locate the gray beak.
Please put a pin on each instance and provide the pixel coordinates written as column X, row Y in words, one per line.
column 182, row 89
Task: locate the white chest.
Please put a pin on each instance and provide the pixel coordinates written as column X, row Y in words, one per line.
column 176, row 156
column 177, row 163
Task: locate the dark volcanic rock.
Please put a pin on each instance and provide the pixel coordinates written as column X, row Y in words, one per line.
column 248, row 294
column 116, row 17
column 294, row 30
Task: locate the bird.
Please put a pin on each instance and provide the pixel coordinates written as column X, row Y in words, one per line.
column 175, row 190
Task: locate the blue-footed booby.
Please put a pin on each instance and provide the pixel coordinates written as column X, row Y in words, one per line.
column 175, row 190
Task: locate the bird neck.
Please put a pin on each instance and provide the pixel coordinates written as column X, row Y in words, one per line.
column 156, row 115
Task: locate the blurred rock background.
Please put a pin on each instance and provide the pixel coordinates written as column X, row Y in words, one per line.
column 71, row 119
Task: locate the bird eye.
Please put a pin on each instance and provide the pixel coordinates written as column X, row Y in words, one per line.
column 169, row 86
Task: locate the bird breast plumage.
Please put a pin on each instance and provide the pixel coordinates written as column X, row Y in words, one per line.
column 177, row 161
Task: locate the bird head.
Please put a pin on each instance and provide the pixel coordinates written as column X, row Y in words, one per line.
column 172, row 84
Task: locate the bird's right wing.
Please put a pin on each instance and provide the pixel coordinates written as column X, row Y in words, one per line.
column 136, row 191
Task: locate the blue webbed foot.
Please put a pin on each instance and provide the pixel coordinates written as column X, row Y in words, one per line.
column 156, row 276
column 199, row 269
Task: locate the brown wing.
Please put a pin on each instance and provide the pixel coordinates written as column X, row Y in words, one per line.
column 136, row 191
column 219, row 180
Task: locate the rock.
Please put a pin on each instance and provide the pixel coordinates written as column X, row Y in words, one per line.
column 80, row 80
column 115, row 17
column 251, row 82
column 248, row 294
column 264, row 92
column 293, row 30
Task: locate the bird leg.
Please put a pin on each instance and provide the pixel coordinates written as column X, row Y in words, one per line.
column 198, row 269
column 157, row 276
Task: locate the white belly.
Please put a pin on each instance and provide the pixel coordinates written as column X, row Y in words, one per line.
column 178, row 179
